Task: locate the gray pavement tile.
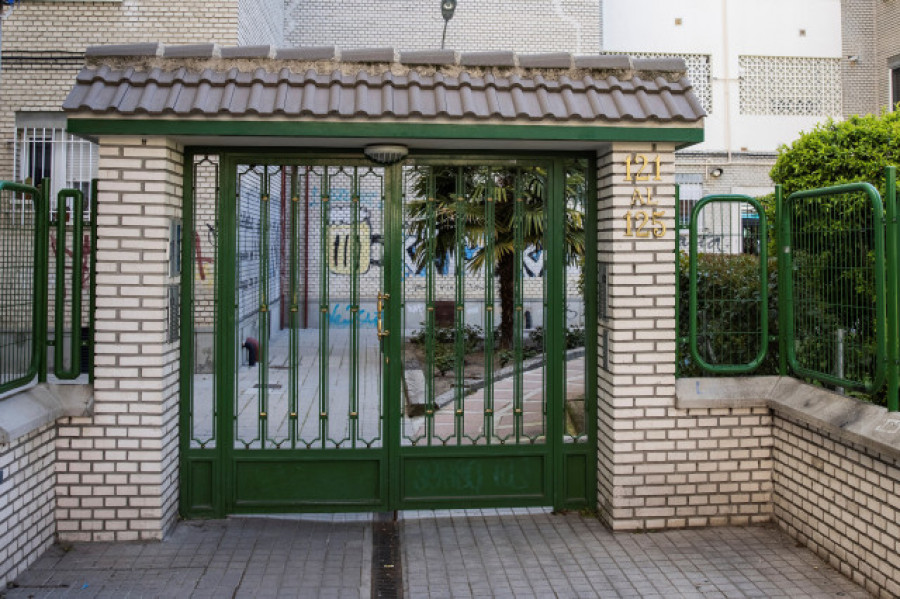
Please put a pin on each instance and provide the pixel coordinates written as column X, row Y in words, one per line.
column 460, row 553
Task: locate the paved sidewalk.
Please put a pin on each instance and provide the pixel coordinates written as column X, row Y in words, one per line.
column 466, row 553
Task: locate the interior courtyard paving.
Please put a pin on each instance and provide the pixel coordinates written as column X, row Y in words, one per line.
column 446, row 554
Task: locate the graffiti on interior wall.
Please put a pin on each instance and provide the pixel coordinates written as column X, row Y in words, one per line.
column 341, row 314
column 532, row 261
column 85, row 256
column 201, row 259
column 339, row 242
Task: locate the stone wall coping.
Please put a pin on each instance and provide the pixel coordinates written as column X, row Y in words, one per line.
column 849, row 419
column 37, row 406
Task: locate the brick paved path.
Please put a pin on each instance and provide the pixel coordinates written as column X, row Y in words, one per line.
column 471, row 553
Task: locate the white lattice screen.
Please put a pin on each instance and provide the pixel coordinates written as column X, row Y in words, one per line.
column 698, row 71
column 774, row 85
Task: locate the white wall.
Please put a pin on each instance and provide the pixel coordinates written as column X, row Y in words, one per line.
column 726, row 30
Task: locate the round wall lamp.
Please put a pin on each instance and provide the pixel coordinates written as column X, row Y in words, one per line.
column 716, row 172
column 386, row 154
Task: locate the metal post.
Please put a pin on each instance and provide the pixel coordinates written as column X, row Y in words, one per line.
column 893, row 288
column 783, row 280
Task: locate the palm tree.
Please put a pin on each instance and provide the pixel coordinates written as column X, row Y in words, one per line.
column 503, row 186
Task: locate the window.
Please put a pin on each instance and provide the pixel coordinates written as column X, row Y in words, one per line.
column 44, row 151
column 895, row 87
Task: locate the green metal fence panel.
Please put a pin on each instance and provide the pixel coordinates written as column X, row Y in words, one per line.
column 728, row 331
column 73, row 370
column 833, row 249
column 23, row 277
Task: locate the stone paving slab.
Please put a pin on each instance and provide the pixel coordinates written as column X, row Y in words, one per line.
column 447, row 554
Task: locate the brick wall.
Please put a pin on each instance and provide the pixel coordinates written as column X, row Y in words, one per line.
column 118, row 469
column 840, row 499
column 860, row 95
column 662, row 467
column 532, row 26
column 26, row 501
column 261, row 22
column 887, row 15
column 43, row 45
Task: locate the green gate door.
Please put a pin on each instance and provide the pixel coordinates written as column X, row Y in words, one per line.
column 361, row 337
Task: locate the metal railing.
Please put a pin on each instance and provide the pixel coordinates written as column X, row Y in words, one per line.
column 23, row 283
column 26, row 266
column 837, row 288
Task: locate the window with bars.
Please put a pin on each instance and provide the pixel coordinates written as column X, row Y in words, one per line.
column 790, row 86
column 43, row 150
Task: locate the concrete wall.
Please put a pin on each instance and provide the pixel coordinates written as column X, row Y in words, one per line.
column 726, row 30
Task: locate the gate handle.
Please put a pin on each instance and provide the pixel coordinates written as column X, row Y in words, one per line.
column 380, row 311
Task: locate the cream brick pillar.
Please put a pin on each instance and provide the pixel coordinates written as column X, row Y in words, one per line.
column 660, row 466
column 118, row 471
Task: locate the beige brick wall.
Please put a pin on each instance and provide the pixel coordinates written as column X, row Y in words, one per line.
column 887, row 15
column 26, row 501
column 661, row 467
column 860, row 95
column 43, row 45
column 118, row 475
column 840, row 500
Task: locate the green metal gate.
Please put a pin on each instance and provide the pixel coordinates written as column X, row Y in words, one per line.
column 367, row 337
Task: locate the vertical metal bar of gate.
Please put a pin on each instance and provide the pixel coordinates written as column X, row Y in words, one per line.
column 324, row 216
column 430, row 193
column 461, row 209
column 518, row 306
column 263, row 363
column 490, row 192
column 294, row 332
column 354, row 248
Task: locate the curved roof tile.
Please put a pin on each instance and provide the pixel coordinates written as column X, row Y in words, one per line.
column 129, row 80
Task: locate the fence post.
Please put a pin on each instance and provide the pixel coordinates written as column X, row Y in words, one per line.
column 782, row 280
column 891, row 294
column 677, row 281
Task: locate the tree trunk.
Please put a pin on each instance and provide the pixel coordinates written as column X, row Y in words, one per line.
column 506, row 272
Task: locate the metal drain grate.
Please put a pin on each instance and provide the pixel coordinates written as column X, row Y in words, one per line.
column 387, row 573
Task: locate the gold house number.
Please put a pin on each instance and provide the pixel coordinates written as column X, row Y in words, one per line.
column 646, row 222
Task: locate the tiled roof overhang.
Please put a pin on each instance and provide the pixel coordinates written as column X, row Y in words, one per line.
column 206, row 82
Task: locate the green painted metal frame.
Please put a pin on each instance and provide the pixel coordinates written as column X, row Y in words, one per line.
column 682, row 136
column 787, row 292
column 37, row 360
column 892, row 312
column 575, row 463
column 59, row 367
column 763, row 286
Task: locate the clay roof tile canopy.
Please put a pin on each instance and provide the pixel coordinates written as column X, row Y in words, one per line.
column 191, row 82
